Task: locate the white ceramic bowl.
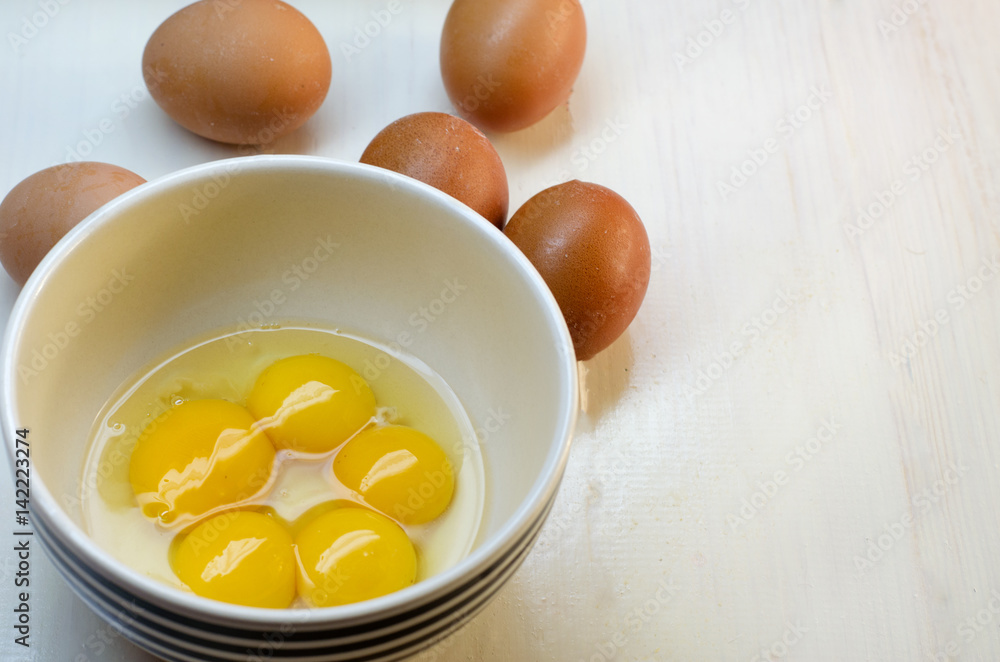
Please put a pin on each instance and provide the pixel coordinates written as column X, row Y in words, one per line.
column 195, row 252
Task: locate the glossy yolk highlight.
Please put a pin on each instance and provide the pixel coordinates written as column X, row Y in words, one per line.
column 244, row 558
column 199, row 456
column 399, row 471
column 311, row 403
column 353, row 554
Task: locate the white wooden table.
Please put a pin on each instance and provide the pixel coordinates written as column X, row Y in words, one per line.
column 793, row 454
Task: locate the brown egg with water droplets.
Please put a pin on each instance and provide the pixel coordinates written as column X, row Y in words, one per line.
column 506, row 64
column 48, row 204
column 449, row 154
column 592, row 250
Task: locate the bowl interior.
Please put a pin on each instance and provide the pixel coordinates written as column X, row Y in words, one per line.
column 268, row 239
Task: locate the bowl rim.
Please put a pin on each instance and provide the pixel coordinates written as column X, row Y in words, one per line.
column 93, row 556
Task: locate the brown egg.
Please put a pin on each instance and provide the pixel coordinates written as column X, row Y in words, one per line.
column 449, row 154
column 238, row 71
column 592, row 250
column 45, row 206
column 507, row 64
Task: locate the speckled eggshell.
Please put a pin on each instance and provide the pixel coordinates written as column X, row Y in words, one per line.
column 506, row 64
column 449, row 154
column 45, row 206
column 244, row 72
column 592, row 250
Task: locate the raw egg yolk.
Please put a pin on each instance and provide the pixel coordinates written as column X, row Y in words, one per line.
column 196, row 457
column 397, row 470
column 353, row 554
column 311, row 403
column 244, row 558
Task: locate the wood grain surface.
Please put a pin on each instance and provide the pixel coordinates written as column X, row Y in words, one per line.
column 793, row 453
